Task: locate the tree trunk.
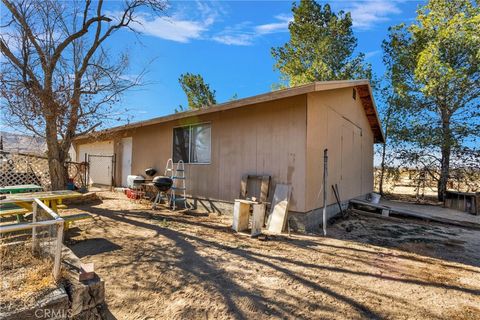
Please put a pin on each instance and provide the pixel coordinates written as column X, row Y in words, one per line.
column 445, row 161
column 56, row 158
column 444, row 171
column 384, row 150
column 382, row 169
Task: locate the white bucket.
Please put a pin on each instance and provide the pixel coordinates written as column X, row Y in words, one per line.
column 374, row 197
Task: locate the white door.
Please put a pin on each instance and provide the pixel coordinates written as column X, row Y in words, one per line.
column 126, row 159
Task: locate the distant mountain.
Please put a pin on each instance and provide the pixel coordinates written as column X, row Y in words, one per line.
column 14, row 142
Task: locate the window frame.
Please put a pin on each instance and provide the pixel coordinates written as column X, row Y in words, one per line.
column 190, row 126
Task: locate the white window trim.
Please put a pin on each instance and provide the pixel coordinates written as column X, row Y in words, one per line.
column 189, row 142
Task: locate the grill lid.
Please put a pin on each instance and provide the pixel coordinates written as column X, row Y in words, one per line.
column 150, row 172
column 162, row 183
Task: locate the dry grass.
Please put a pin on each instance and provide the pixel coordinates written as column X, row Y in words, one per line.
column 24, row 276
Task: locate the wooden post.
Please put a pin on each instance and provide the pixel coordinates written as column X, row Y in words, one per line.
column 34, row 229
column 243, row 187
column 264, row 188
column 58, row 251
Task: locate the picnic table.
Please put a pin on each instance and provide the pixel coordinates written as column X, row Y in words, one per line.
column 52, row 199
column 22, row 204
column 20, row 188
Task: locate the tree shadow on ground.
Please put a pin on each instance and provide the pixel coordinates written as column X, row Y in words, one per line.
column 92, row 246
column 203, row 270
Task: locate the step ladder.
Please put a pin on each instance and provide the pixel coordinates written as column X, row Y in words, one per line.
column 169, row 168
column 169, row 172
column 178, row 193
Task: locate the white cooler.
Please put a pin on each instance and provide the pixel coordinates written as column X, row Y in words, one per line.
column 134, row 181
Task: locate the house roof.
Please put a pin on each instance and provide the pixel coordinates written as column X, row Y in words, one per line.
column 362, row 86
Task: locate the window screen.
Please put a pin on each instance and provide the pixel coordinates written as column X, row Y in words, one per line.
column 181, row 144
column 200, row 143
column 192, row 144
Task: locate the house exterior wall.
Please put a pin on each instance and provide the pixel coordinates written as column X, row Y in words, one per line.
column 337, row 122
column 264, row 139
column 284, row 138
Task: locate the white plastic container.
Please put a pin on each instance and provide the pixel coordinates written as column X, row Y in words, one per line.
column 132, row 179
column 374, row 197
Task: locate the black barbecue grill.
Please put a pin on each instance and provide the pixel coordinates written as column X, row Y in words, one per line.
column 162, row 183
column 150, row 172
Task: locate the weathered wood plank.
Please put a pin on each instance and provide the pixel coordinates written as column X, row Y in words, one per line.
column 278, row 215
column 258, row 218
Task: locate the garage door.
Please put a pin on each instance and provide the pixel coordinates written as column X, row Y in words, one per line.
column 100, row 157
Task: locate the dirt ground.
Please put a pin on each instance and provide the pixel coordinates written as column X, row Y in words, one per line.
column 24, row 278
column 166, row 265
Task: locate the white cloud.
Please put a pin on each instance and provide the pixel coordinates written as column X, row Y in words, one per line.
column 172, row 28
column 210, row 11
column 244, row 34
column 280, row 26
column 366, row 14
column 185, row 24
column 239, row 35
column 371, row 54
column 236, row 40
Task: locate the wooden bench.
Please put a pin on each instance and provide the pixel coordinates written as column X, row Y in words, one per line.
column 18, row 212
column 70, row 219
column 13, row 212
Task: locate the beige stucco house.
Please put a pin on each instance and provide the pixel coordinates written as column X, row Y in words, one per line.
column 282, row 134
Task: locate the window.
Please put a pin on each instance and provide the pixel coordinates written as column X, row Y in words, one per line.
column 192, row 144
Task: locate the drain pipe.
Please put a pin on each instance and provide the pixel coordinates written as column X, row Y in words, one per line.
column 325, row 176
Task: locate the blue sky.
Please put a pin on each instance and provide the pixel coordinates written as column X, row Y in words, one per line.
column 228, row 43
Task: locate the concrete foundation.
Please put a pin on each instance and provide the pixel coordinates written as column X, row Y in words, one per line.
column 72, row 299
column 298, row 221
column 312, row 221
column 211, row 206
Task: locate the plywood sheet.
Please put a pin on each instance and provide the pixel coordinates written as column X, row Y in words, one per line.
column 278, row 215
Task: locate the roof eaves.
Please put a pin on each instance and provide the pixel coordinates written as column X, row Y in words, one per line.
column 265, row 97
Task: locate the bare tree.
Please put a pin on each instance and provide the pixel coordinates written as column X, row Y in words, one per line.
column 58, row 79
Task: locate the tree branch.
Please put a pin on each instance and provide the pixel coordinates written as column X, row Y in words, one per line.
column 28, row 31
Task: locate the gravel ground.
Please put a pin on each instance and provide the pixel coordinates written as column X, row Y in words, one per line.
column 166, row 265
